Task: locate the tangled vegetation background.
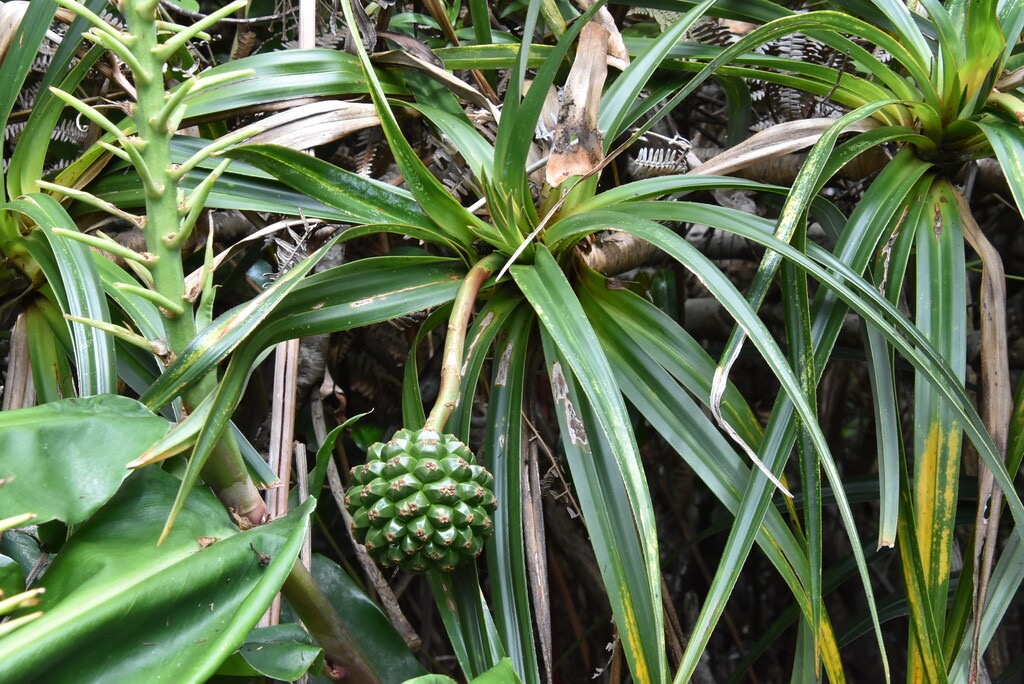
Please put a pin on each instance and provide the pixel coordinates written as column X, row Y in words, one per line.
column 722, row 297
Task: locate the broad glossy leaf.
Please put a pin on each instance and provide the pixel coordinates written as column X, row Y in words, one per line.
column 68, row 457
column 119, row 608
column 283, row 651
column 12, row 577
column 502, row 673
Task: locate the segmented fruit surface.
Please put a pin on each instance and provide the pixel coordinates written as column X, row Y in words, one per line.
column 420, row 502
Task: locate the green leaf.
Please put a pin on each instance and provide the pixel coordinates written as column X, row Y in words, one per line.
column 519, row 118
column 671, row 346
column 435, row 199
column 326, row 451
column 62, row 456
column 925, row 640
column 12, row 577
column 502, row 673
column 503, row 450
column 739, row 309
column 685, row 425
column 359, row 199
column 496, row 56
column 76, row 284
column 618, row 98
column 20, row 56
column 1003, row 594
column 941, row 316
column 487, row 324
column 463, row 610
column 283, row 652
column 49, row 343
column 221, row 337
column 985, row 54
column 29, row 155
column 282, row 76
column 119, row 608
column 1007, row 143
column 605, row 462
column 374, row 290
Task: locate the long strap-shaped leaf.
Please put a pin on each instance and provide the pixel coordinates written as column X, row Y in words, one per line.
column 76, row 284
column 435, row 199
column 793, row 214
column 608, row 472
column 506, row 551
column 846, row 284
column 738, row 307
column 639, row 372
column 941, row 316
column 21, row 54
column 363, row 200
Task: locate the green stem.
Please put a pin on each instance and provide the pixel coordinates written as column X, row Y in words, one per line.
column 225, row 471
column 451, row 367
column 326, row 626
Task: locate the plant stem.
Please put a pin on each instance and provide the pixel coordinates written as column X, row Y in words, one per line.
column 325, row 625
column 451, row 367
column 225, row 471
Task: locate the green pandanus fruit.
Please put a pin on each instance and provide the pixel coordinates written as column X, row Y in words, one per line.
column 420, row 502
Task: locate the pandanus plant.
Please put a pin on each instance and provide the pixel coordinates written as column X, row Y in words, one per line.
column 536, row 259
